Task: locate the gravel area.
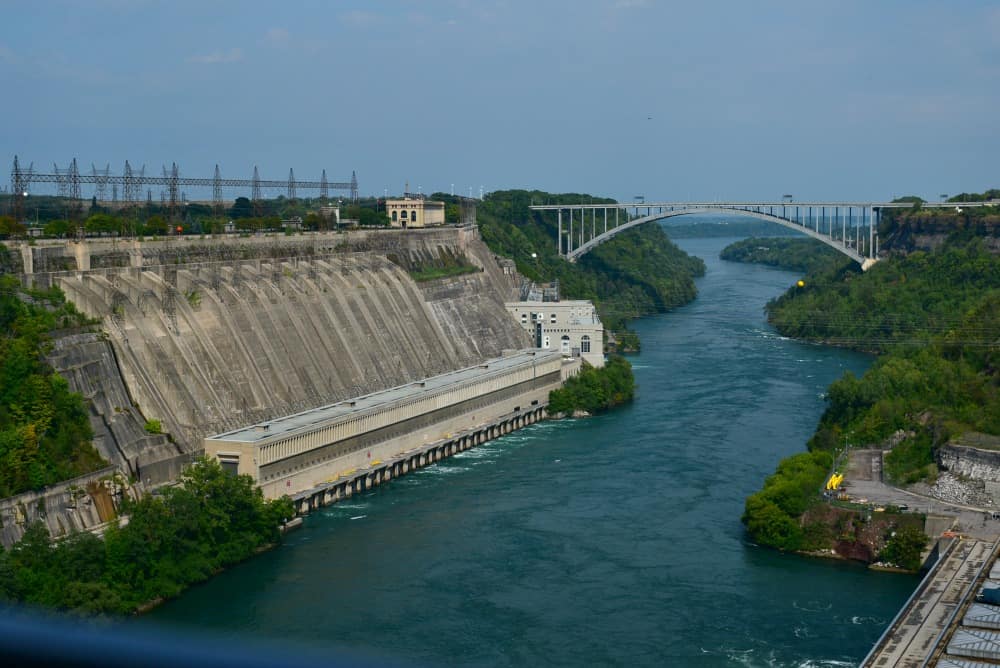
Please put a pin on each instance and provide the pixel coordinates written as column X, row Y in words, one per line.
column 953, row 489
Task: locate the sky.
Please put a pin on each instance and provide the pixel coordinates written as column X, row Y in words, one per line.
column 703, row 100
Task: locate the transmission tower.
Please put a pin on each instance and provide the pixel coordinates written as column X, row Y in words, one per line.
column 101, row 177
column 62, row 180
column 74, row 190
column 324, row 187
column 354, row 186
column 74, row 181
column 172, row 190
column 217, row 192
column 255, row 191
column 19, row 180
column 291, row 185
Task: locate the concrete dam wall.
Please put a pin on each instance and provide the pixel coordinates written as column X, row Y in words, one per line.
column 213, row 334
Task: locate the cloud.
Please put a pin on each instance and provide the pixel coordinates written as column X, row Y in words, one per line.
column 217, row 57
column 278, row 36
column 358, row 17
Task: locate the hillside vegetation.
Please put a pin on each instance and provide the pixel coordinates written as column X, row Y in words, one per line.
column 934, row 319
column 45, row 436
column 796, row 253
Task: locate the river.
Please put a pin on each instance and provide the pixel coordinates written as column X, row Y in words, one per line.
column 614, row 540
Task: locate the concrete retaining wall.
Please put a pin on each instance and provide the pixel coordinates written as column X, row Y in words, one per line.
column 80, row 504
column 207, row 347
column 970, row 462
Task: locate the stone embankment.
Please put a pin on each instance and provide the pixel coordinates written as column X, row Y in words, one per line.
column 207, row 335
column 951, row 488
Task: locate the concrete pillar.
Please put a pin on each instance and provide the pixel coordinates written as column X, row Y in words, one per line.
column 135, row 255
column 28, row 259
column 82, row 254
column 559, row 236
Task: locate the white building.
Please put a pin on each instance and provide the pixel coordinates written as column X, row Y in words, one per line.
column 571, row 327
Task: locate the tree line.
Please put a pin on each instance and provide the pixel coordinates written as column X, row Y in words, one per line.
column 194, row 218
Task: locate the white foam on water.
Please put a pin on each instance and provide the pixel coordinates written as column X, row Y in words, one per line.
column 812, row 606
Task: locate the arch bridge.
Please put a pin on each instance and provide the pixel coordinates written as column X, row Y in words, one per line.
column 850, row 228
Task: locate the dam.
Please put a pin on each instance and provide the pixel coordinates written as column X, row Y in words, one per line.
column 200, row 336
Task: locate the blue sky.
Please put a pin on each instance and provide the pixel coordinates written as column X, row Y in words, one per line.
column 672, row 100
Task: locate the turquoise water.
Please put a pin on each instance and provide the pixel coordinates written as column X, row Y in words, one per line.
column 613, row 540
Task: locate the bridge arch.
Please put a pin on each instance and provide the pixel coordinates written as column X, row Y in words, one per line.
column 847, row 227
column 837, row 244
column 829, row 240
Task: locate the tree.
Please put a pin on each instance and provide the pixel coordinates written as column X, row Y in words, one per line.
column 312, row 221
column 242, row 208
column 155, row 226
column 57, row 228
column 905, row 548
column 101, row 223
column 11, row 228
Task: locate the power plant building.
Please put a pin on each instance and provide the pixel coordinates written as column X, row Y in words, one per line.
column 299, row 452
column 570, row 327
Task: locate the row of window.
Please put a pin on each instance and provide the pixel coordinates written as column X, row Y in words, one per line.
column 584, row 343
column 524, row 319
column 403, row 215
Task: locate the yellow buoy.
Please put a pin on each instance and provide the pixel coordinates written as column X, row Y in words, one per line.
column 801, row 284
